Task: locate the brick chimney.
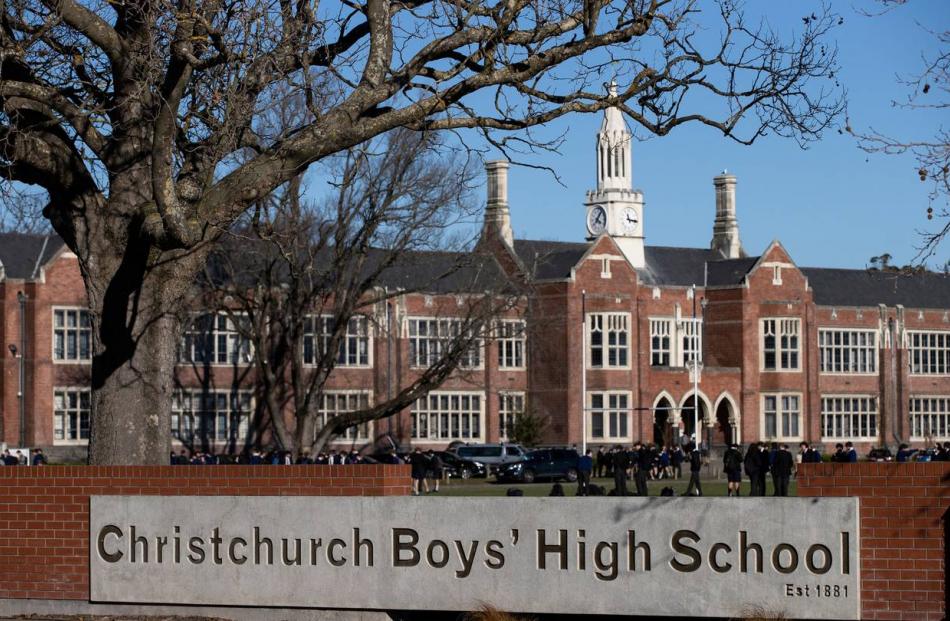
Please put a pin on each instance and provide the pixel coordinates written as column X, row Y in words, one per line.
column 725, row 237
column 497, row 216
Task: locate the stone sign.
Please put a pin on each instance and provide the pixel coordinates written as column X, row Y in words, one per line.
column 716, row 557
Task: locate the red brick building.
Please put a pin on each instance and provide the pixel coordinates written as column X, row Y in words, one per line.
column 603, row 346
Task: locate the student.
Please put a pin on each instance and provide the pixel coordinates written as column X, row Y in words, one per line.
column 585, row 467
column 782, row 470
column 695, row 465
column 732, row 465
column 435, row 470
column 851, row 453
column 419, row 466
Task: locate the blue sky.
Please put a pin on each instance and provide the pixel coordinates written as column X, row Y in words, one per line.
column 831, row 205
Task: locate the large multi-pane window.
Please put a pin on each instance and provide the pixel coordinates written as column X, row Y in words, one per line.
column 72, row 335
column 780, row 344
column 216, row 338
column 510, row 407
column 430, row 339
column 849, row 417
column 609, row 415
column 930, row 418
column 929, row 352
column 660, row 335
column 71, row 414
column 510, row 337
column 847, row 351
column 354, row 343
column 675, row 342
column 448, row 416
column 608, row 336
column 333, row 403
column 691, row 338
column 211, row 416
column 781, row 417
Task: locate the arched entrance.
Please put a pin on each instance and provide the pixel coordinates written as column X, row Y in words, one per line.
column 663, row 422
column 687, row 413
column 723, row 428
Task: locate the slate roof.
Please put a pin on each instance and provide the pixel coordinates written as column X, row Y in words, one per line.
column 443, row 272
column 667, row 265
column 549, row 259
column 240, row 260
column 20, row 253
column 729, row 271
column 837, row 287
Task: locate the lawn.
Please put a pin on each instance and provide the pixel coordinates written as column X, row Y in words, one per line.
column 483, row 487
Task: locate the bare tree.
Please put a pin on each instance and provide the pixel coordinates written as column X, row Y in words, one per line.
column 928, row 93
column 306, row 282
column 141, row 119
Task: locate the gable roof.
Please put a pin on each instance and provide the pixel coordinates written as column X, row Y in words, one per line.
column 22, row 253
column 838, row 287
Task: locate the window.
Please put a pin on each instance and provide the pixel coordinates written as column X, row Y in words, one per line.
column 781, row 417
column 448, row 416
column 608, row 339
column 847, row 351
column 334, row 403
column 511, row 339
column 211, row 416
column 72, row 335
column 929, row 353
column 849, row 417
column 354, row 343
column 691, row 332
column 609, row 415
column 930, row 418
column 660, row 342
column 71, row 415
column 216, row 339
column 430, row 339
column 780, row 344
column 675, row 342
column 510, row 406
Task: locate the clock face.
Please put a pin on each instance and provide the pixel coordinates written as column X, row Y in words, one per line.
column 629, row 220
column 597, row 220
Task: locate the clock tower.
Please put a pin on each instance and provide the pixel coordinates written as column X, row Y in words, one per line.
column 615, row 207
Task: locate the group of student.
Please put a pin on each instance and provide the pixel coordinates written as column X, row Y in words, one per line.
column 274, row 458
column 759, row 460
column 425, row 468
column 660, row 462
column 18, row 458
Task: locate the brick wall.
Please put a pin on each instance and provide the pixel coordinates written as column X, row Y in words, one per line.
column 44, row 511
column 904, row 512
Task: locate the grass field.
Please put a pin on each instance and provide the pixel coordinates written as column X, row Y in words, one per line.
column 483, row 487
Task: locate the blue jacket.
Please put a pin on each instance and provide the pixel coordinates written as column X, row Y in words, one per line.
column 585, row 463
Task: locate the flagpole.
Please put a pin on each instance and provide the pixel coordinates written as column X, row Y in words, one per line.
column 583, row 372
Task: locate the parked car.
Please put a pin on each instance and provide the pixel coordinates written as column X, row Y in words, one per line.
column 550, row 464
column 880, row 454
column 492, row 455
column 455, row 466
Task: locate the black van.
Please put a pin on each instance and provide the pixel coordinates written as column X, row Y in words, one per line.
column 549, row 464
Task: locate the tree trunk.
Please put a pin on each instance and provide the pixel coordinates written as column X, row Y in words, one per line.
column 136, row 302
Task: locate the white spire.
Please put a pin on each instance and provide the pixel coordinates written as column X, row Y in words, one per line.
column 613, row 149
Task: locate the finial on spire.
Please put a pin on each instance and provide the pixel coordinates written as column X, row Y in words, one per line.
column 612, row 87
